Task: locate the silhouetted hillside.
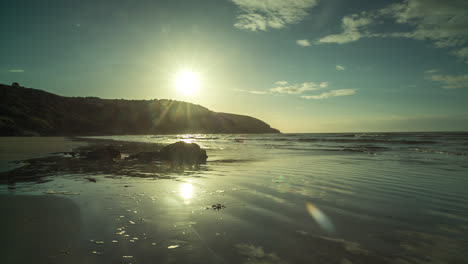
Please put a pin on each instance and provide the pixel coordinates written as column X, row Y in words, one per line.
column 26, row 111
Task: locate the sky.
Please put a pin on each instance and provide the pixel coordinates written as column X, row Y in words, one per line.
column 299, row 65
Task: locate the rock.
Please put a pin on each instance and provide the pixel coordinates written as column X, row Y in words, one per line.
column 218, row 206
column 104, row 154
column 181, row 153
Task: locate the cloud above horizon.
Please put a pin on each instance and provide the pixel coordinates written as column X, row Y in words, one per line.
column 462, row 53
column 303, row 42
column 16, row 70
column 339, row 68
column 441, row 22
column 252, row 91
column 260, row 15
column 354, row 28
column 284, row 87
column 450, row 81
column 332, row 93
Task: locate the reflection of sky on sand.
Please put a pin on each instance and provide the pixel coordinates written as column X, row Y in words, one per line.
column 163, row 218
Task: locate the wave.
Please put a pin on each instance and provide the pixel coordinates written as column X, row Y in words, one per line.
column 368, row 140
column 438, row 151
column 197, row 137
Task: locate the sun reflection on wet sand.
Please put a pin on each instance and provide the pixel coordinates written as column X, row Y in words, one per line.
column 186, row 191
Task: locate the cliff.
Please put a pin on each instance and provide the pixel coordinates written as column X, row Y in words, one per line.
column 26, row 111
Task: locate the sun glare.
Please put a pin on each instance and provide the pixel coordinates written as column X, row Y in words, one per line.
column 187, row 82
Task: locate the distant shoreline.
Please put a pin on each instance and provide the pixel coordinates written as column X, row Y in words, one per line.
column 33, row 112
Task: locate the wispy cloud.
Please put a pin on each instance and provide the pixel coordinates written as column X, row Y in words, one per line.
column 285, row 88
column 301, row 89
column 16, row 70
column 332, row 93
column 441, row 22
column 281, row 83
column 260, row 15
column 303, row 42
column 339, row 68
column 450, row 81
column 431, row 71
column 462, row 53
column 354, row 28
column 252, row 91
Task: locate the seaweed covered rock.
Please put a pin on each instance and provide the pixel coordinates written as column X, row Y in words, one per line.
column 181, row 153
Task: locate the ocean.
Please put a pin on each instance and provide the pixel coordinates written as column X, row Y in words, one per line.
column 287, row 198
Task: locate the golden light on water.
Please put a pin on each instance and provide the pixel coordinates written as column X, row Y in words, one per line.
column 188, row 138
column 187, row 82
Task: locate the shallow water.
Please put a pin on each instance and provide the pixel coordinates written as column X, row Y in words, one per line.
column 290, row 198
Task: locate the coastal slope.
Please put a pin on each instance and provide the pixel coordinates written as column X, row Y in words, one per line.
column 27, row 111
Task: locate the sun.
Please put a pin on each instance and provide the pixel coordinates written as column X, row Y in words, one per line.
column 187, row 82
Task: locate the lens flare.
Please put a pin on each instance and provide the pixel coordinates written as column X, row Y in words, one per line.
column 321, row 219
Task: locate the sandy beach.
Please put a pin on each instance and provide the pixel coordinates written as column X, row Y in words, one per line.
column 234, row 131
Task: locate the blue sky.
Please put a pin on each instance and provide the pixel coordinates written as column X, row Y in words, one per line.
column 299, row 65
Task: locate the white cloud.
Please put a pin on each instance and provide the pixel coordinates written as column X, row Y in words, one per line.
column 281, row 82
column 252, row 91
column 260, row 15
column 258, row 92
column 16, row 70
column 303, row 42
column 354, row 28
column 451, row 81
column 442, row 22
column 339, row 68
column 462, row 53
column 285, row 88
column 432, row 71
column 332, row 93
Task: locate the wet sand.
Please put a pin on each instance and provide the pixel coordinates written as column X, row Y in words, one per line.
column 36, row 158
column 38, row 228
column 167, row 217
column 22, row 148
